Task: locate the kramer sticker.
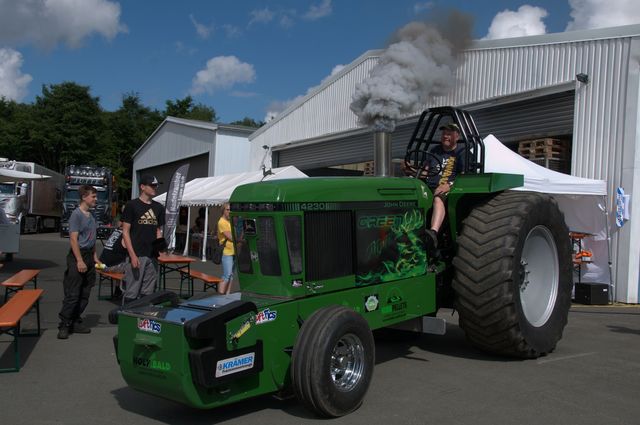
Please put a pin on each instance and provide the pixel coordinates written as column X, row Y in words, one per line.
column 235, row 364
column 149, row 325
column 371, row 303
column 265, row 316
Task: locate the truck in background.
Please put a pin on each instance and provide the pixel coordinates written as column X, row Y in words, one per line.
column 103, row 180
column 39, row 201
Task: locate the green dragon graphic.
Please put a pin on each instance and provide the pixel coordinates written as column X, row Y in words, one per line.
column 411, row 259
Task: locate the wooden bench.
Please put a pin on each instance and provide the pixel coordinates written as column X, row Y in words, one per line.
column 208, row 281
column 10, row 315
column 19, row 280
column 112, row 277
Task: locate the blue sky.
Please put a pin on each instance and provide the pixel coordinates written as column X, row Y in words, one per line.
column 244, row 58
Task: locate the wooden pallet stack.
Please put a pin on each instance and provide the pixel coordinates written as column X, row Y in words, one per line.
column 554, row 154
column 369, row 169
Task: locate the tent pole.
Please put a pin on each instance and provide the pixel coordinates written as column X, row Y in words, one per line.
column 204, row 233
column 613, row 289
column 185, row 251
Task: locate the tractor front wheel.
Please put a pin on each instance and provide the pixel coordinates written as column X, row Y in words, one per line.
column 513, row 275
column 332, row 361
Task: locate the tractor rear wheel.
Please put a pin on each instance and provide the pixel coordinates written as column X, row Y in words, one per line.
column 332, row 361
column 513, row 275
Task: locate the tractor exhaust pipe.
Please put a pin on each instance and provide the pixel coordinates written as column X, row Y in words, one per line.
column 381, row 154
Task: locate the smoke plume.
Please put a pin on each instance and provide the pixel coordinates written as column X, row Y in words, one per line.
column 418, row 64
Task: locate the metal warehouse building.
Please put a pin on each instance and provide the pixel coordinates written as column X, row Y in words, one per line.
column 579, row 86
column 210, row 149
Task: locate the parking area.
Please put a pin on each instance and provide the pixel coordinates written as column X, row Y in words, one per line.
column 593, row 377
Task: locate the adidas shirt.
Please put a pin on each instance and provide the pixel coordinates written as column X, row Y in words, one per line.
column 145, row 220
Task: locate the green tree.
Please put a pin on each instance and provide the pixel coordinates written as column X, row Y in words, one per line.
column 248, row 122
column 67, row 122
column 15, row 130
column 126, row 129
column 185, row 108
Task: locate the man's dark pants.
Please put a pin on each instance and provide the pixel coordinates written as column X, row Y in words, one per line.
column 77, row 287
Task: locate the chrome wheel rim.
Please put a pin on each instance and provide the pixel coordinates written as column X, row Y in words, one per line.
column 540, row 280
column 347, row 362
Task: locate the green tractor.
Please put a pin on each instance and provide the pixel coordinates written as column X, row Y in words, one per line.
column 323, row 262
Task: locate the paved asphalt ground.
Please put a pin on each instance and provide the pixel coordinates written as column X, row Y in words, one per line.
column 593, row 377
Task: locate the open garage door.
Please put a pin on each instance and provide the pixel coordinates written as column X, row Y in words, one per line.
column 543, row 116
column 198, row 167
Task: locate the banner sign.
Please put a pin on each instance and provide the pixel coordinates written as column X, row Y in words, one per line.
column 172, row 207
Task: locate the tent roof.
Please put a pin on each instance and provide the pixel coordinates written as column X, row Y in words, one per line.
column 500, row 159
column 7, row 175
column 207, row 191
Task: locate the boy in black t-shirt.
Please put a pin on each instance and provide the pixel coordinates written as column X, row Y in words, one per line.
column 142, row 222
column 451, row 161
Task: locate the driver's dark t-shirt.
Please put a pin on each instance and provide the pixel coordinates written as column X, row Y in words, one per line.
column 145, row 220
column 451, row 163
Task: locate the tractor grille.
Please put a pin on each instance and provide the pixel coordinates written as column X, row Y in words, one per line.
column 328, row 244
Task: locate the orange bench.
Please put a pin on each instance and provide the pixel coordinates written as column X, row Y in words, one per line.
column 111, row 277
column 12, row 312
column 19, row 280
column 208, row 281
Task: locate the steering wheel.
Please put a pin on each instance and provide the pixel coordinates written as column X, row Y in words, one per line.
column 418, row 162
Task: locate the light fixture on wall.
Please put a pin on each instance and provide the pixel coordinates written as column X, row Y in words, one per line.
column 583, row 78
column 263, row 165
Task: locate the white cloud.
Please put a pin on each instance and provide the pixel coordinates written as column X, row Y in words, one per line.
column 527, row 20
column 319, row 11
column 231, row 31
column 222, row 72
column 277, row 106
column 422, row 7
column 334, row 71
column 245, row 94
column 203, row 31
column 587, row 14
column 49, row 22
column 13, row 83
column 184, row 49
column 261, row 16
column 286, row 21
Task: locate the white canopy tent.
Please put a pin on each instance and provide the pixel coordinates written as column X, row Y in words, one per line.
column 212, row 191
column 583, row 202
column 9, row 176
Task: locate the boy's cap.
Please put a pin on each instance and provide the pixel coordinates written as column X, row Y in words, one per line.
column 451, row 126
column 149, row 180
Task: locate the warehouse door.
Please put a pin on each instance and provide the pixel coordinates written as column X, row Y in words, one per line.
column 198, row 167
column 545, row 116
column 537, row 117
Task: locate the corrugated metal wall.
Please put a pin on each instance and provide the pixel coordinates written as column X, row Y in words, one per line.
column 550, row 115
column 168, row 144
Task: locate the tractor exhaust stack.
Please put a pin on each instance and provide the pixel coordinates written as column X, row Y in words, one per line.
column 382, row 154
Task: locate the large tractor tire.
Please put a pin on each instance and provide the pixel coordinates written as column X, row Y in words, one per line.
column 513, row 275
column 332, row 361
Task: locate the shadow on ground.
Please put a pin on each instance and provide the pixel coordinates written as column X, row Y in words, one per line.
column 170, row 412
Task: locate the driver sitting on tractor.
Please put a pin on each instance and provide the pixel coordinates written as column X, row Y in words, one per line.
column 445, row 161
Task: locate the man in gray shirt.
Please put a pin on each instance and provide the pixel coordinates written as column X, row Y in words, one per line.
column 80, row 275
